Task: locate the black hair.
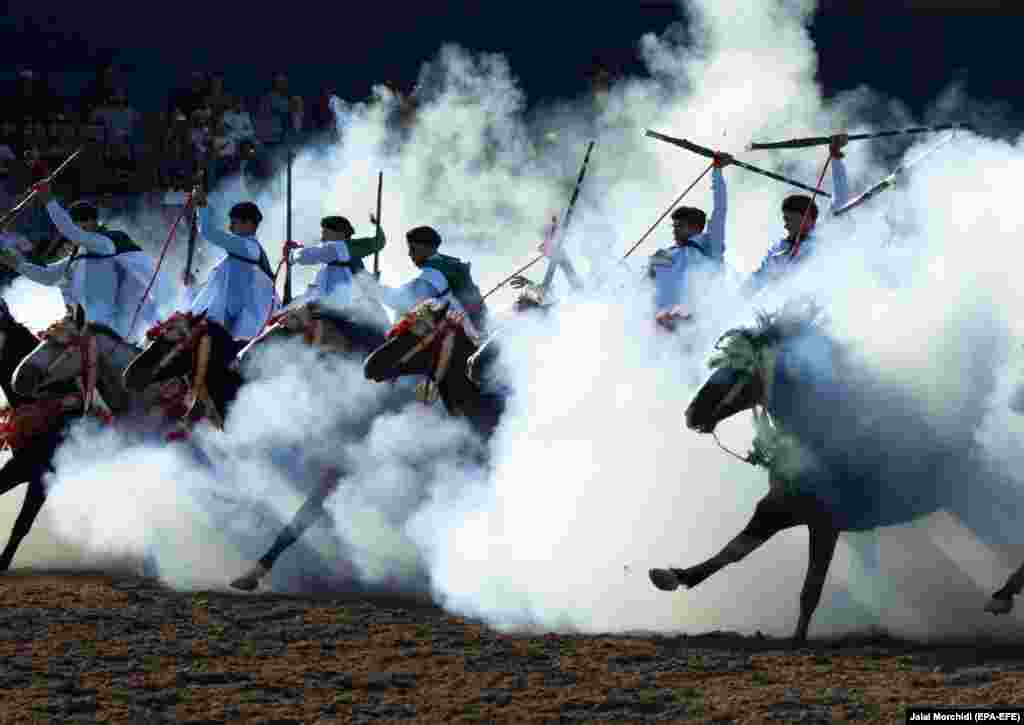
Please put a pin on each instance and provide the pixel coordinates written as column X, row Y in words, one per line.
column 426, row 236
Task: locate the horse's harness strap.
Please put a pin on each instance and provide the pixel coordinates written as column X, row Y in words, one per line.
column 200, row 394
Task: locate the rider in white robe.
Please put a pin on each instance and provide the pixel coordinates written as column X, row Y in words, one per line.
column 341, row 256
column 684, row 273
column 239, row 292
column 108, row 279
column 780, row 258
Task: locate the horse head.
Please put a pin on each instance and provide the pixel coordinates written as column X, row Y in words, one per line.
column 63, row 351
column 169, row 350
column 432, row 340
column 745, row 363
column 323, row 327
column 738, row 383
column 193, row 347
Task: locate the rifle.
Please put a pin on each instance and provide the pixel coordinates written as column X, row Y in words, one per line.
column 376, row 255
column 557, row 243
column 287, row 297
column 798, row 143
column 21, row 205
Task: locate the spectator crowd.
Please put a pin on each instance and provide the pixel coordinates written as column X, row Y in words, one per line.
column 202, row 130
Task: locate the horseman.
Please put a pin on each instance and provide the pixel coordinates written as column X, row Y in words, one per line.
column 799, row 215
column 696, row 256
column 239, row 292
column 341, row 256
column 442, row 277
column 109, row 279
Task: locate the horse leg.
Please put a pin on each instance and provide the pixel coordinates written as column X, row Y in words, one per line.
column 823, row 538
column 1002, row 601
column 29, row 464
column 772, row 515
column 19, row 469
column 311, row 510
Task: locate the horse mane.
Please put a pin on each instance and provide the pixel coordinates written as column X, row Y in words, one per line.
column 739, row 347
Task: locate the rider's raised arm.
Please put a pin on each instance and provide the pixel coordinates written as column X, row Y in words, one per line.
column 365, row 246
column 840, row 184
column 402, row 299
column 95, row 243
column 716, row 224
column 323, row 253
column 230, row 243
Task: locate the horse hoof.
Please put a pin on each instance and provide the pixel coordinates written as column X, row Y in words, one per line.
column 999, row 606
column 665, row 579
column 251, row 579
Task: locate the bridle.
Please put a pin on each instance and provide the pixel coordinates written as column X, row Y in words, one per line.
column 67, row 333
column 435, row 335
column 189, row 334
column 762, row 365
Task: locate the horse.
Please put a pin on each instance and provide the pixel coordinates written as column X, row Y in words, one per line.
column 333, row 330
column 32, row 439
column 433, row 340
column 833, row 438
column 74, row 348
column 195, row 348
column 201, row 350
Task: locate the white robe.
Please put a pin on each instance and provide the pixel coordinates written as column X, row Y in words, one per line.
column 237, row 294
column 109, row 289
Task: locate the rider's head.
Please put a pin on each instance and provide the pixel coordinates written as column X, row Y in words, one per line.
column 335, row 228
column 85, row 215
column 423, row 243
column 793, row 209
column 687, row 221
column 244, row 218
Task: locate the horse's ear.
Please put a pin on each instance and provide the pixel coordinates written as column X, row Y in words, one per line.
column 444, row 309
column 79, row 316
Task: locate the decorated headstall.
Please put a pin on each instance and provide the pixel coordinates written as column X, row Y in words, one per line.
column 73, row 334
column 188, row 333
column 435, row 326
column 753, row 352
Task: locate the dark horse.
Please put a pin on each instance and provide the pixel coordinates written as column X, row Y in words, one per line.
column 197, row 349
column 202, row 351
column 1001, row 601
column 33, row 436
column 193, row 347
column 435, row 341
column 844, row 452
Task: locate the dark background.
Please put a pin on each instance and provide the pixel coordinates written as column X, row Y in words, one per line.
column 911, row 50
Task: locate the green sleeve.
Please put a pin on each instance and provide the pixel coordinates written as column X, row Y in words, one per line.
column 365, row 246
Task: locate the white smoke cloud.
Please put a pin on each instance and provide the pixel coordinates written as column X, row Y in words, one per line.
column 591, row 479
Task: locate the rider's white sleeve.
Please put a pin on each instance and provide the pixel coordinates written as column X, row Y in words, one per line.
column 48, row 274
column 95, row 243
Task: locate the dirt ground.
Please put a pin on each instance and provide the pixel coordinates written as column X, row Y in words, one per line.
column 96, row 648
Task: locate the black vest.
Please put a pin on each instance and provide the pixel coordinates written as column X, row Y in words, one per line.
column 122, row 245
column 263, row 263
